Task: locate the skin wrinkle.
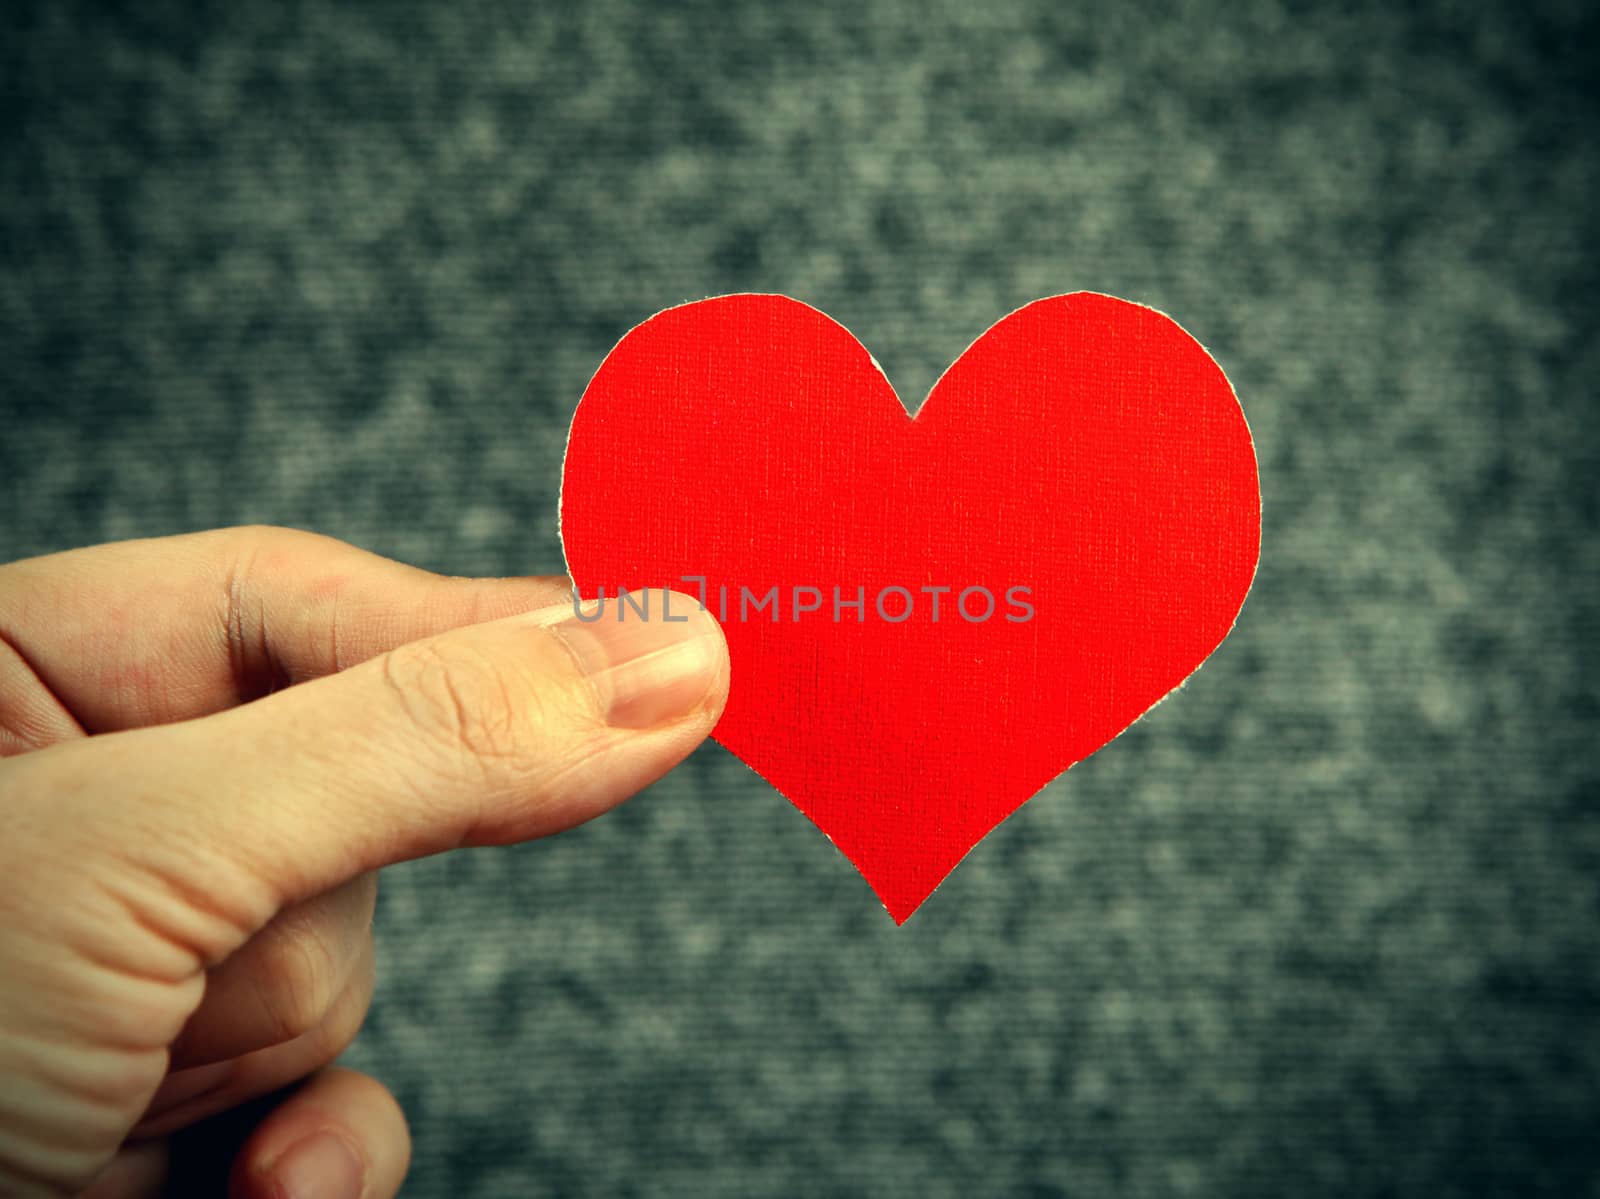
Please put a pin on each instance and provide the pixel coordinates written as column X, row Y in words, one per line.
column 307, row 977
column 236, row 927
column 54, row 1174
column 334, row 589
column 96, row 1093
column 283, row 1063
column 35, row 688
column 254, row 668
column 418, row 676
column 135, row 912
column 338, row 921
column 232, row 631
column 95, row 980
column 13, row 643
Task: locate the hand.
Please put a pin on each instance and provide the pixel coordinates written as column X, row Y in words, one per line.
column 208, row 743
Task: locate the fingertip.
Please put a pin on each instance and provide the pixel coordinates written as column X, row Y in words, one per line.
column 340, row 1136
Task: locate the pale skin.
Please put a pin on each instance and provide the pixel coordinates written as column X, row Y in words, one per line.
column 209, row 744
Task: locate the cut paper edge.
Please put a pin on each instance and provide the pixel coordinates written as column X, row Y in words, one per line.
column 900, row 917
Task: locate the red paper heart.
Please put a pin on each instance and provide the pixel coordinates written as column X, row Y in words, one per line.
column 1084, row 448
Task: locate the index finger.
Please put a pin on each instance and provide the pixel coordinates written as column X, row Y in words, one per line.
column 158, row 630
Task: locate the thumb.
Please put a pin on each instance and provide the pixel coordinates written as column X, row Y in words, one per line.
column 488, row 734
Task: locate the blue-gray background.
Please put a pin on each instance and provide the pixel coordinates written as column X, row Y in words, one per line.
column 1327, row 923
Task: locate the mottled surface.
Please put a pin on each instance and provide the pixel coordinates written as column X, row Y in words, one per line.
column 1327, row 923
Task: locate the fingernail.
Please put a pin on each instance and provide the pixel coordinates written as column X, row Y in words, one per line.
column 651, row 659
column 320, row 1167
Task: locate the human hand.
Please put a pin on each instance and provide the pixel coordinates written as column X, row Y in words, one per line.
column 208, row 743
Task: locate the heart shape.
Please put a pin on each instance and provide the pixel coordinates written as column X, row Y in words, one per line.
column 1085, row 450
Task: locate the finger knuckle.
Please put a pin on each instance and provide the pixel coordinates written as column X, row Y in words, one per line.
column 462, row 701
column 302, row 979
column 344, row 1018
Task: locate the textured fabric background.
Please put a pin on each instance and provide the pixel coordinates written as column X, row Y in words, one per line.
column 1328, row 923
